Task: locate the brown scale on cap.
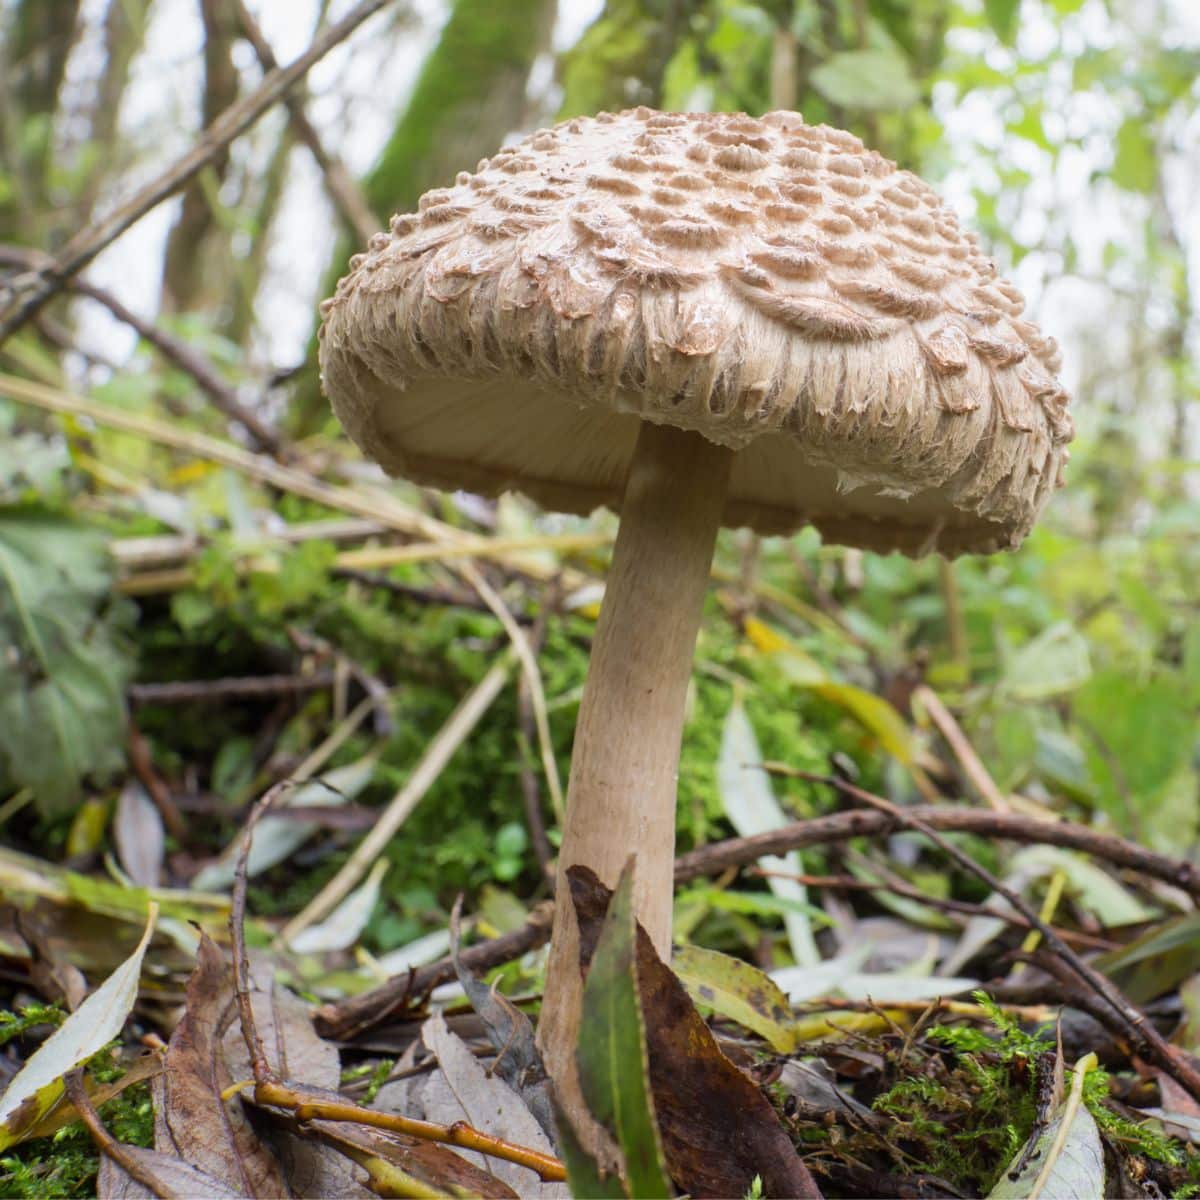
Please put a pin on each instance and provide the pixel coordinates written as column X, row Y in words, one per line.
column 769, row 284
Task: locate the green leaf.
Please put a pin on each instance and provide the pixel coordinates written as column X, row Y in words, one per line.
column 1136, row 736
column 62, row 687
column 866, row 79
column 614, row 1073
column 584, row 1175
column 1135, row 166
column 1055, row 661
column 739, row 991
column 1002, row 17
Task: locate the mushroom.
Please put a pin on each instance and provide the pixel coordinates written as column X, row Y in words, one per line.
column 697, row 319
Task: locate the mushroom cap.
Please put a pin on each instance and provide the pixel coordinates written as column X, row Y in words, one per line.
column 769, row 284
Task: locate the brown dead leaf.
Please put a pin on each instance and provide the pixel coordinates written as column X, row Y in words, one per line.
column 718, row 1130
column 170, row 1176
column 429, row 1162
column 295, row 1052
column 213, row 1135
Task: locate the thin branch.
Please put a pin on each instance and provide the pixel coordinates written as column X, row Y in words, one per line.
column 345, row 1018
column 231, row 124
column 1015, row 827
column 210, row 691
column 174, row 349
column 345, row 193
column 970, row 762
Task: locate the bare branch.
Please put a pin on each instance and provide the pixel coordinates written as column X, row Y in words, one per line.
column 231, row 124
column 345, row 193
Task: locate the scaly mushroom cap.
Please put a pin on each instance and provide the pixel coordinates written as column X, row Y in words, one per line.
column 770, row 284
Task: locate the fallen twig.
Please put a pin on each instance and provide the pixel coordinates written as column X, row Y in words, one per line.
column 208, row 691
column 1015, row 827
column 344, row 1019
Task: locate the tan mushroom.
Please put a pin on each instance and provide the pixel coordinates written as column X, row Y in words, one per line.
column 697, row 319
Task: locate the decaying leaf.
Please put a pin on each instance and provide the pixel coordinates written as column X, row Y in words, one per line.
column 510, row 1031
column 138, row 833
column 340, row 930
column 485, row 1102
column 739, row 991
column 38, row 1084
column 701, row 1099
column 1067, row 1160
column 213, row 1135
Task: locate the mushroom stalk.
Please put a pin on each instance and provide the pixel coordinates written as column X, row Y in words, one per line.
column 624, row 767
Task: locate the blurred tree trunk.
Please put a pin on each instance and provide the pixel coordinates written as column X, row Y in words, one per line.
column 125, row 24
column 37, row 39
column 198, row 267
column 471, row 93
column 622, row 58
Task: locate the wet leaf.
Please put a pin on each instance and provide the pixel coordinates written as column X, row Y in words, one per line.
column 613, row 1071
column 701, row 1099
column 99, row 1019
column 739, row 991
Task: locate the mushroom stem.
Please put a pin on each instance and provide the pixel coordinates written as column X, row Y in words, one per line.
column 624, row 767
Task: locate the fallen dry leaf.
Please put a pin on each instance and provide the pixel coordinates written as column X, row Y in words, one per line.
column 296, row 1052
column 701, row 1099
column 463, row 1091
column 510, row 1031
column 204, row 1130
column 138, row 834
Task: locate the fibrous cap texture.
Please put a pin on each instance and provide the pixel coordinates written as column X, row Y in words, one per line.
column 769, row 284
